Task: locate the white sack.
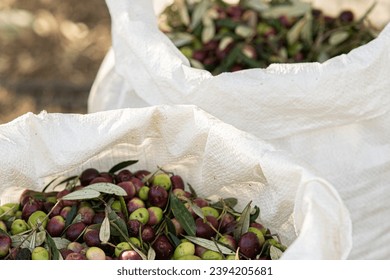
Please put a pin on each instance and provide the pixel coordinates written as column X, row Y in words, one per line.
column 215, row 158
column 333, row 116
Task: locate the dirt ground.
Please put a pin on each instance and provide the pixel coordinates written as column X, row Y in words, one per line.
column 50, row 52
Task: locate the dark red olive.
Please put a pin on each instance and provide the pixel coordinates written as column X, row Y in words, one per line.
column 88, row 175
column 163, row 248
column 249, row 245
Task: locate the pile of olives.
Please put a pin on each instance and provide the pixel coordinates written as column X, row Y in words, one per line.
column 131, row 215
column 222, row 37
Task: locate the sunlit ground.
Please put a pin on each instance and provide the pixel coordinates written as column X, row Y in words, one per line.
column 50, row 52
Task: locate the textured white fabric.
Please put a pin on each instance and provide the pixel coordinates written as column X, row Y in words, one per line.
column 214, row 157
column 333, row 116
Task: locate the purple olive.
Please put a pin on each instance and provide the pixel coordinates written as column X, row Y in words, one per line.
column 88, row 175
column 158, row 196
column 249, row 245
column 163, row 248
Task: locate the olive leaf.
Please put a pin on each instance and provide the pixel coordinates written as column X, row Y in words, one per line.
column 338, row 37
column 209, row 244
column 196, row 64
column 298, row 9
column 192, row 190
column 60, row 242
column 244, row 31
column 40, row 238
column 108, row 188
column 180, row 39
column 198, row 211
column 4, row 233
column 31, row 241
column 20, row 240
column 54, row 252
column 198, row 13
column 122, row 165
column 243, row 223
column 275, row 253
column 151, row 253
column 123, row 207
column 224, row 42
column 256, row 5
column 307, row 32
column 175, row 240
column 104, row 232
column 227, row 22
column 295, row 31
column 182, row 215
column 230, row 202
column 77, row 218
column 71, row 215
column 118, row 222
column 172, row 232
column 208, row 33
column 183, row 12
column 48, row 185
column 81, row 194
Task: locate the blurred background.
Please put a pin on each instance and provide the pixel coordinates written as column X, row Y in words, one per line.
column 50, row 52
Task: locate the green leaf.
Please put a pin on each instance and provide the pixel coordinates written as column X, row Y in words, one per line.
column 19, row 240
column 231, row 58
column 338, row 37
column 198, row 211
column 48, row 184
column 224, row 42
column 192, row 190
column 54, row 252
column 4, row 232
column 107, row 188
column 275, row 253
column 294, row 33
column 81, row 194
column 307, row 30
column 198, row 13
column 119, row 222
column 104, row 233
column 40, row 239
column 151, row 253
column 183, row 12
column 208, row 33
column 256, row 5
column 31, row 241
column 172, row 232
column 182, row 215
column 244, row 31
column 209, row 244
column 180, row 39
column 227, row 22
column 60, row 242
column 243, row 223
column 229, row 202
column 71, row 215
column 122, row 165
column 124, row 207
column 175, row 240
column 298, row 9
column 196, row 64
